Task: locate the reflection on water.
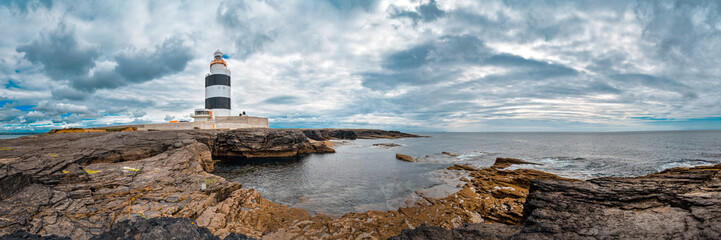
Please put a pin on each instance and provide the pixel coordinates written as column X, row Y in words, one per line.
column 355, row 176
column 360, row 176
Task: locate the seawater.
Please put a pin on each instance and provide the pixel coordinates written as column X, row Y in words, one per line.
column 361, row 177
column 9, row 136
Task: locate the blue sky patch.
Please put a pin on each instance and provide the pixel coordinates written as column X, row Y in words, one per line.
column 11, row 84
column 3, row 102
column 25, row 107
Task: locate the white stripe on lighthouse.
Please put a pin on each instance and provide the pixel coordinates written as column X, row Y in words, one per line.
column 217, row 91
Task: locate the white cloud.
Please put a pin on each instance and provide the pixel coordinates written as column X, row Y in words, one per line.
column 419, row 65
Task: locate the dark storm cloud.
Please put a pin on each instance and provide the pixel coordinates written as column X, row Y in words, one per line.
column 536, row 69
column 427, row 63
column 444, row 59
column 414, row 57
column 9, row 114
column 100, row 79
column 64, row 60
column 59, row 53
column 282, row 100
column 146, row 64
column 68, row 93
column 425, row 12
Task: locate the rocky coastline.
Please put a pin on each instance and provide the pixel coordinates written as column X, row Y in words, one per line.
column 126, row 184
column 677, row 203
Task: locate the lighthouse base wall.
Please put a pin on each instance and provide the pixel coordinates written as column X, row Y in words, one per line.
column 220, row 122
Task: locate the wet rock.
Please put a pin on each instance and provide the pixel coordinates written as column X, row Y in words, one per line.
column 462, row 167
column 506, row 162
column 386, row 145
column 450, row 154
column 404, row 157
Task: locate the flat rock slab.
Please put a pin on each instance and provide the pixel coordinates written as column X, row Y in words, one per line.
column 678, row 203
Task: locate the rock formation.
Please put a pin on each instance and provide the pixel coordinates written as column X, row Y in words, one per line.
column 678, row 203
column 81, row 184
column 329, row 134
column 162, row 228
column 404, row 157
column 95, row 184
column 265, row 142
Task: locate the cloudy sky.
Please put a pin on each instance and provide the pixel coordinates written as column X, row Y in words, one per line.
column 440, row 65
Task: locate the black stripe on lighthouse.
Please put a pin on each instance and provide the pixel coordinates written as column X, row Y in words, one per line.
column 217, row 79
column 217, row 103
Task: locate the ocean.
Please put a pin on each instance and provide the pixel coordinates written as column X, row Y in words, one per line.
column 9, row 136
column 361, row 176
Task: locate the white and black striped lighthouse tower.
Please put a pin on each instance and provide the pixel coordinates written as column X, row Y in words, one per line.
column 217, row 87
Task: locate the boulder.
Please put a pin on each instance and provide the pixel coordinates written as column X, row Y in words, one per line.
column 161, row 228
column 404, row 157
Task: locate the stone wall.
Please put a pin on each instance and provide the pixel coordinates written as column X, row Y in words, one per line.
column 227, row 122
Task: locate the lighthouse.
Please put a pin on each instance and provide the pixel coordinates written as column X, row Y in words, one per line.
column 217, row 86
column 216, row 114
